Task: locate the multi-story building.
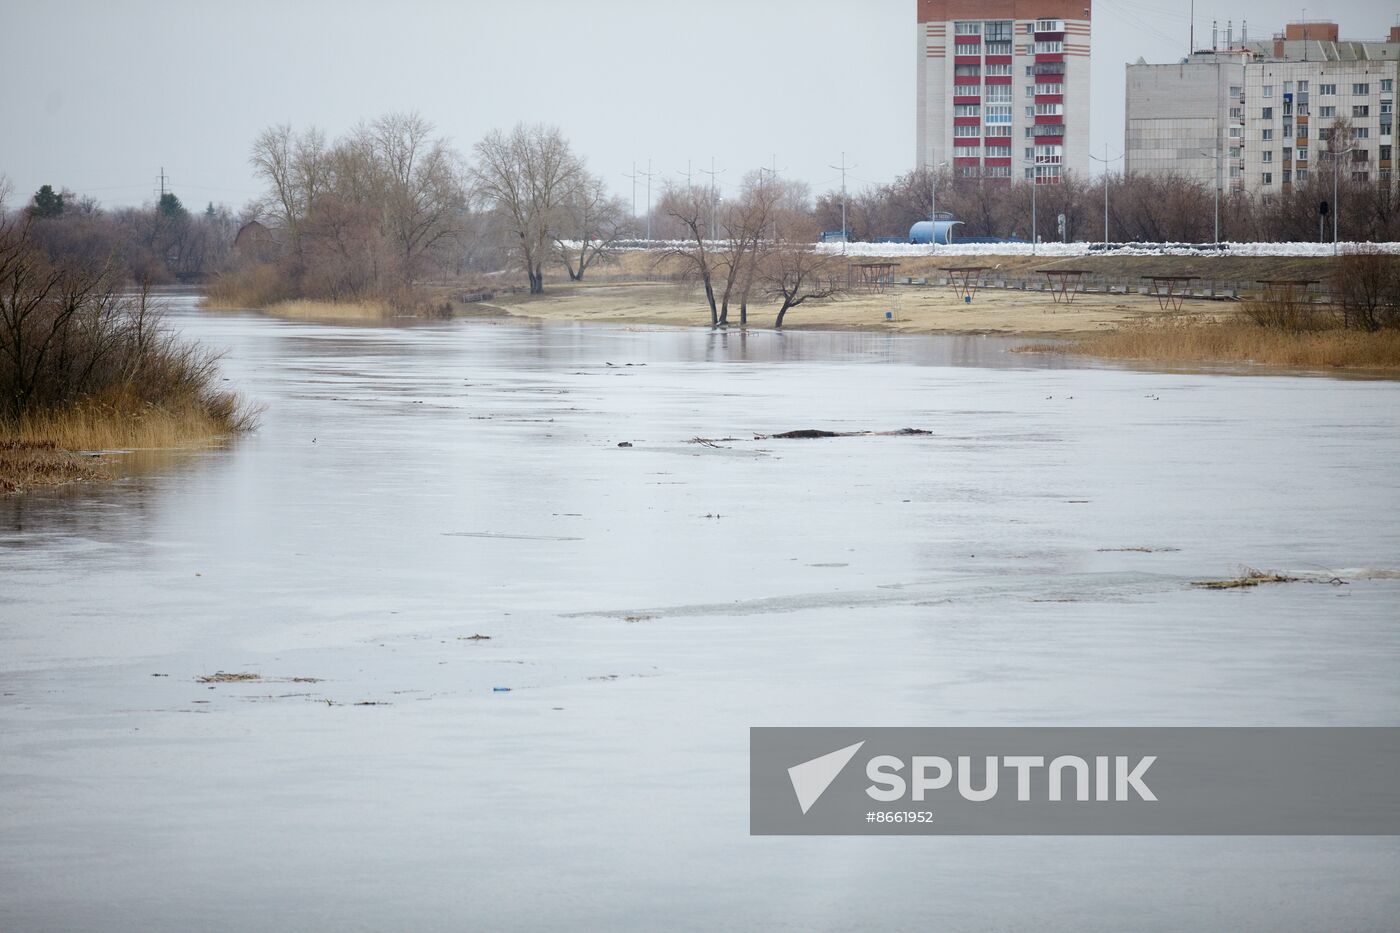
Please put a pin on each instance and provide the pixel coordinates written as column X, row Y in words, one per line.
column 1259, row 117
column 1188, row 118
column 1004, row 87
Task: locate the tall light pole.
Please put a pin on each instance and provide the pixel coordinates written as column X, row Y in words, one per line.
column 843, row 167
column 933, row 209
column 1336, row 157
column 1105, row 160
column 1034, row 163
column 1216, row 156
column 649, row 173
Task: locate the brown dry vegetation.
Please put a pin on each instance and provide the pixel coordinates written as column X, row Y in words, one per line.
column 87, row 366
column 1196, row 340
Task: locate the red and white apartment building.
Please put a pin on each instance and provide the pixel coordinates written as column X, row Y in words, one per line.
column 1004, row 87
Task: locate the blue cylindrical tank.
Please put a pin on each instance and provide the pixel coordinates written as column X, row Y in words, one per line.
column 919, row 233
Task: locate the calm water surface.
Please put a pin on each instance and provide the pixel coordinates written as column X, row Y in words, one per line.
column 411, row 487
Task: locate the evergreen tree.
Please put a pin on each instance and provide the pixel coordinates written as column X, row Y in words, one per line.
column 47, row 203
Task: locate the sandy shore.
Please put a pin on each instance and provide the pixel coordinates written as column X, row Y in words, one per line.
column 911, row 309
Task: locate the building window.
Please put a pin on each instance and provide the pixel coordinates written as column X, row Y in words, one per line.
column 999, row 69
column 1049, row 47
column 998, row 171
column 967, row 110
column 1236, row 91
column 1302, row 174
column 1387, row 106
column 1030, row 90
column 967, row 28
column 967, row 71
column 963, row 48
column 1385, row 153
column 998, row 48
column 998, row 113
column 1236, row 113
column 1268, row 178
column 999, row 152
column 1049, row 88
column 1287, row 129
column 967, row 90
column 1360, row 132
column 1361, row 110
column 964, row 130
column 1236, row 132
column 966, row 151
column 1049, row 110
column 1361, row 89
column 1387, row 85
column 1049, row 25
column 1267, row 155
column 1267, row 135
column 1268, row 113
column 1302, row 155
column 1327, row 90
column 1287, row 176
column 999, row 93
column 1302, row 87
column 1326, row 113
column 1359, row 176
column 1287, row 153
column 1268, row 90
column 998, row 131
column 998, row 30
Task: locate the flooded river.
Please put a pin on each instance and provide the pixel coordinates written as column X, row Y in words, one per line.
column 585, row 766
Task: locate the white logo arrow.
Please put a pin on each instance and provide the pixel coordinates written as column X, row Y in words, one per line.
column 811, row 778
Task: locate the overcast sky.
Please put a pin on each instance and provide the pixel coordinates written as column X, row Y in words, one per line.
column 97, row 96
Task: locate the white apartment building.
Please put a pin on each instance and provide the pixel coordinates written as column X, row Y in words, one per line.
column 1188, row 118
column 1292, row 109
column 1003, row 87
column 1256, row 117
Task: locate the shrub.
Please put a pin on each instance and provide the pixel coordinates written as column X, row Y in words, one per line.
column 1366, row 286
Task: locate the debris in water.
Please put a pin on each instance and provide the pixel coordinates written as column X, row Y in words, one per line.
column 1137, row 550
column 1250, row 577
column 811, row 433
column 624, row 444
column 500, row 690
column 222, row 677
column 476, row 637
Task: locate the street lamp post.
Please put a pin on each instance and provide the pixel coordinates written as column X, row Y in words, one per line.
column 1216, row 156
column 933, row 210
column 1035, row 183
column 1105, row 160
column 1336, row 157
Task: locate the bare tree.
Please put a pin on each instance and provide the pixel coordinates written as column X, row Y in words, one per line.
column 589, row 224
column 420, row 187
column 793, row 273
column 527, row 175
column 690, row 208
column 297, row 168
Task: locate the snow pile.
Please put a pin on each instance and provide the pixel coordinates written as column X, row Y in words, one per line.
column 895, row 250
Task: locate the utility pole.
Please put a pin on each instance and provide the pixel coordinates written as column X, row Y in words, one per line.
column 712, row 173
column 648, row 175
column 162, row 182
column 844, row 234
column 633, row 176
column 1106, row 160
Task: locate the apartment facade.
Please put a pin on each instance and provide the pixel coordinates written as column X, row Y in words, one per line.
column 1258, row 117
column 1188, row 118
column 1003, row 87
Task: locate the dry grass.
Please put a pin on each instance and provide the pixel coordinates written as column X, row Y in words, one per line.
column 26, row 465
column 1194, row 340
column 53, row 448
column 307, row 309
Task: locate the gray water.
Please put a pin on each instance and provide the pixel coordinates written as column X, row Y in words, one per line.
column 410, row 487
